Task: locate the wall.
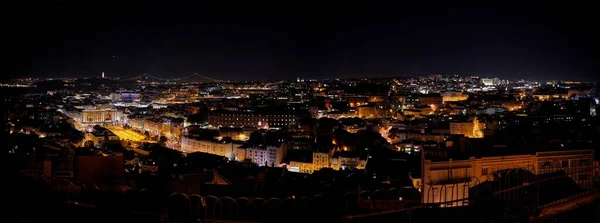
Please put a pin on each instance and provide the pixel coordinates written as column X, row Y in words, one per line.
column 99, row 169
column 450, row 180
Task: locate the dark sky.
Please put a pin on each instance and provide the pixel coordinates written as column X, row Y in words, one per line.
column 520, row 39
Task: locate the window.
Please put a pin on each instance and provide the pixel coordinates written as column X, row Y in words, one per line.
column 484, row 171
column 584, row 162
column 546, row 165
column 583, row 177
column 564, row 163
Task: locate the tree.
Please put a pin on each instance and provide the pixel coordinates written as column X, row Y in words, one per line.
column 256, row 137
column 162, row 140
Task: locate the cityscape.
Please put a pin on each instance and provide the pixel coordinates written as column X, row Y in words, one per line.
column 109, row 144
column 371, row 144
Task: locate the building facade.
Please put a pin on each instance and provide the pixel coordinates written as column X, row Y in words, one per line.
column 241, row 119
column 223, row 148
column 341, row 160
column 450, row 180
column 264, row 155
column 468, row 129
column 95, row 115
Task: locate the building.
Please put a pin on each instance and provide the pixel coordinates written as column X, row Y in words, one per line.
column 301, row 166
column 301, row 161
column 434, row 101
column 357, row 101
column 420, row 136
column 448, row 180
column 242, row 134
column 221, row 147
column 99, row 134
column 258, row 120
column 341, row 160
column 321, row 159
column 308, row 161
column 263, row 155
column 454, row 96
column 95, row 115
column 468, row 129
column 491, row 81
column 129, row 96
column 114, row 97
column 370, row 111
column 418, row 112
column 157, row 126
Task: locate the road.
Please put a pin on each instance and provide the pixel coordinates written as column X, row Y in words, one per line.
column 128, row 134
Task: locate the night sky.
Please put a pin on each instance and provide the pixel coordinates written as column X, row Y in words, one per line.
column 534, row 40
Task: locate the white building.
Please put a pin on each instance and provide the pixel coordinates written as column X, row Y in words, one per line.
column 218, row 147
column 95, row 115
column 491, row 81
column 270, row 155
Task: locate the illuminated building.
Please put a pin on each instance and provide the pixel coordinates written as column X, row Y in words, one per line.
column 357, row 101
column 98, row 135
column 377, row 98
column 491, row 81
column 320, row 159
column 241, row 134
column 420, row 136
column 300, row 161
column 157, row 126
column 489, row 110
column 268, row 155
column 241, row 119
column 545, row 97
column 432, row 100
column 338, row 115
column 454, row 96
column 418, row 112
column 397, row 99
column 353, row 128
column 136, row 123
column 449, row 180
column 299, row 133
column 347, row 159
column 153, row 126
column 307, row 161
column 468, row 129
column 129, row 97
column 370, row 112
column 301, row 166
column 574, row 92
column 114, row 97
column 95, row 115
column 225, row 148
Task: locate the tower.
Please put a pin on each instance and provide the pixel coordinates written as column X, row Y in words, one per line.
column 102, row 74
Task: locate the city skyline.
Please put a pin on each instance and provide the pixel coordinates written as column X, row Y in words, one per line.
column 103, row 75
column 508, row 40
